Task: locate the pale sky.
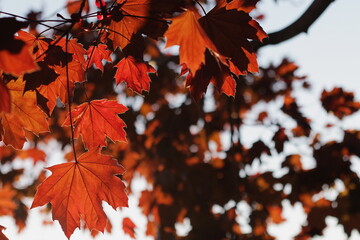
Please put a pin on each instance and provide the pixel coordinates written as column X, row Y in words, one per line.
column 328, row 54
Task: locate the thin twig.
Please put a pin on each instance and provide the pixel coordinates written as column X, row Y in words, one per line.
column 68, row 81
column 302, row 24
column 49, row 29
column 69, row 98
column 31, row 20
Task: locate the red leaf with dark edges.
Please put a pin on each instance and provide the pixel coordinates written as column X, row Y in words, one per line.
column 25, row 114
column 38, row 42
column 134, row 73
column 98, row 53
column 127, row 19
column 230, row 31
column 73, row 47
column 76, row 191
column 213, row 71
column 96, row 120
column 129, row 227
column 58, row 88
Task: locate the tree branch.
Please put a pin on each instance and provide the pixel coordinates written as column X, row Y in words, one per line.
column 302, row 24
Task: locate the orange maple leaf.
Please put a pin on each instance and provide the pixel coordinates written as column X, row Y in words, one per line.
column 25, row 114
column 98, row 53
column 97, row 119
column 38, row 42
column 127, row 19
column 18, row 63
column 75, row 48
column 186, row 32
column 59, row 88
column 134, row 73
column 15, row 55
column 76, row 191
column 5, row 99
column 128, row 227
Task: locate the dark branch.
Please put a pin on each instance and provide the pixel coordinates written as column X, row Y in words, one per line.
column 302, row 24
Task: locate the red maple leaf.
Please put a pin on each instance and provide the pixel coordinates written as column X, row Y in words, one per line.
column 98, row 53
column 213, row 71
column 25, row 114
column 127, row 19
column 59, row 88
column 38, row 42
column 76, row 191
column 97, row 119
column 134, row 73
column 18, row 63
column 230, row 31
column 73, row 47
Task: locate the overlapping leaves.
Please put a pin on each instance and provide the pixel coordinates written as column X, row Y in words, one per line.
column 40, row 74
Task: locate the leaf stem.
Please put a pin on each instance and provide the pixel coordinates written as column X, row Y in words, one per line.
column 69, row 98
column 68, row 81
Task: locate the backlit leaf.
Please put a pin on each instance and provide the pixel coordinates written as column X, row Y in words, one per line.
column 15, row 55
column 96, row 120
column 127, row 19
column 98, row 53
column 186, row 32
column 76, row 191
column 59, row 87
column 73, row 47
column 134, row 73
column 25, row 114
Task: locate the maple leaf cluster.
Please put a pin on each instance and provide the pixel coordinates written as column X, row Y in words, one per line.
column 66, row 86
column 40, row 74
